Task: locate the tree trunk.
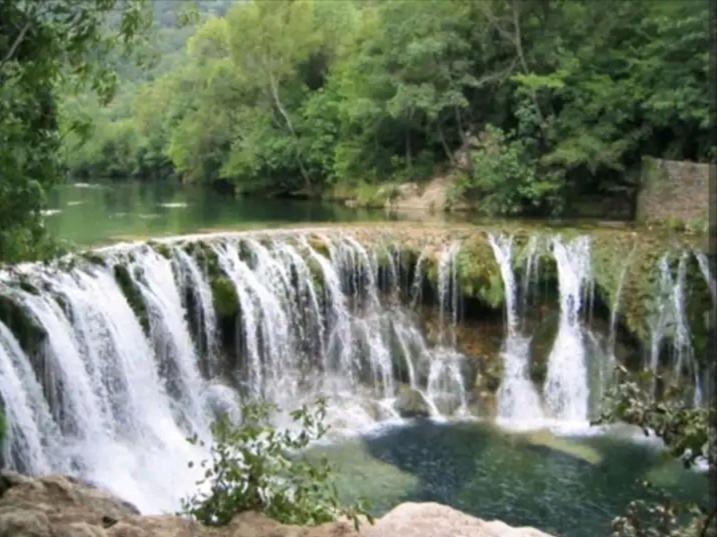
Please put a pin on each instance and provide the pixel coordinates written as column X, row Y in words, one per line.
column 465, row 141
column 447, row 149
column 524, row 67
column 277, row 101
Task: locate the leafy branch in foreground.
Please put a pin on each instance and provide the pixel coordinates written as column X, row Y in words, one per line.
column 685, row 431
column 254, row 466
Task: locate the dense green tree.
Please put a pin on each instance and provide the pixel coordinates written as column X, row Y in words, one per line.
column 44, row 45
column 303, row 96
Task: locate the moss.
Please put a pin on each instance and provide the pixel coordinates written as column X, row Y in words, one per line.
column 224, row 296
column 28, row 287
column 478, row 273
column 132, row 294
column 541, row 343
column 28, row 333
column 161, row 248
column 319, row 245
column 491, row 375
column 93, row 258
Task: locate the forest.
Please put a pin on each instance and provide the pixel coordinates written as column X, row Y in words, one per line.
column 553, row 99
column 531, row 105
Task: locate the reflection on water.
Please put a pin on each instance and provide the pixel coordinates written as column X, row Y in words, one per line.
column 111, row 211
column 96, row 213
column 571, row 487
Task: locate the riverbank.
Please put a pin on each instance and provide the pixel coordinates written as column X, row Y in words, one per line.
column 59, row 506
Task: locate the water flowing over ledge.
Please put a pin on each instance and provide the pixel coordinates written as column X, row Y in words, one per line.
column 111, row 359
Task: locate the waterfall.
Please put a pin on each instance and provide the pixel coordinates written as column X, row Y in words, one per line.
column 615, row 307
column 194, row 280
column 175, row 351
column 417, row 284
column 669, row 316
column 96, row 404
column 566, row 385
column 704, row 263
column 110, row 361
column 682, row 341
column 530, row 272
column 30, row 425
column 448, row 294
column 518, row 400
column 662, row 313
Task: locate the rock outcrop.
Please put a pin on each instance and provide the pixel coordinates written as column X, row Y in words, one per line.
column 59, row 506
column 411, row 403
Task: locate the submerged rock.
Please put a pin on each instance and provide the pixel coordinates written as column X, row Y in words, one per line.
column 58, row 506
column 411, row 403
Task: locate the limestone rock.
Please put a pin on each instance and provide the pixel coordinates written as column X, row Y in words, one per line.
column 411, row 403
column 59, row 506
column 435, row 520
column 56, row 506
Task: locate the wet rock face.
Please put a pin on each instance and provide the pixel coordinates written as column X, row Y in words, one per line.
column 58, row 506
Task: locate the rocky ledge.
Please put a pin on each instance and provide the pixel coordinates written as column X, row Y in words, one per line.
column 59, row 506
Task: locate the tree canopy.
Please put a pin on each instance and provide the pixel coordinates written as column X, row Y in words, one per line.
column 544, row 100
column 45, row 46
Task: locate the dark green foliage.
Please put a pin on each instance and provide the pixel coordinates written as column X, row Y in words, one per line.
column 308, row 97
column 254, row 466
column 685, row 431
column 504, row 178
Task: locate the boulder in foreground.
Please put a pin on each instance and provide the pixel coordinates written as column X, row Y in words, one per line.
column 59, row 506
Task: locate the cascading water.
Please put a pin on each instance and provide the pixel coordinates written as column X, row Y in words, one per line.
column 126, row 373
column 31, row 427
column 669, row 316
column 704, row 263
column 518, row 400
column 531, row 272
column 96, row 397
column 566, row 386
column 448, row 296
column 126, row 353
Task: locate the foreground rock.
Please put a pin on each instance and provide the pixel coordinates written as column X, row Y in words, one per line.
column 59, row 506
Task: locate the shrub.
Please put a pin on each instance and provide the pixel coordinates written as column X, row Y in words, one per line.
column 505, row 179
column 254, row 466
column 686, row 434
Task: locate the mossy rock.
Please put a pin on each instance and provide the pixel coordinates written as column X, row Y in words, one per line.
column 161, row 248
column 132, row 294
column 28, row 333
column 540, row 346
column 93, row 258
column 491, row 375
column 478, row 273
column 319, row 245
column 411, row 403
column 224, row 297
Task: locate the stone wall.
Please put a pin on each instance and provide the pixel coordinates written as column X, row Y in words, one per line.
column 672, row 189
